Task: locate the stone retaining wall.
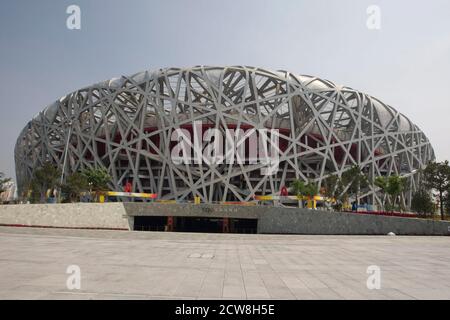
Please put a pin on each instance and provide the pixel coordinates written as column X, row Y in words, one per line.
column 67, row 215
column 270, row 219
column 304, row 221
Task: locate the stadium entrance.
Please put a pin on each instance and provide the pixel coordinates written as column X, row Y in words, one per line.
column 194, row 224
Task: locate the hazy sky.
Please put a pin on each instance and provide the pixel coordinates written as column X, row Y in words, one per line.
column 405, row 64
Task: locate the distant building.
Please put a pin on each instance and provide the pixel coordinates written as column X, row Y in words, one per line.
column 10, row 193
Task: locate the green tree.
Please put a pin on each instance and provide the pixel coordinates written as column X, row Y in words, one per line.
column 44, row 178
column 31, row 192
column 97, row 179
column 334, row 188
column 311, row 189
column 436, row 176
column 301, row 189
column 75, row 184
column 422, row 202
column 447, row 202
column 392, row 186
column 298, row 187
column 355, row 180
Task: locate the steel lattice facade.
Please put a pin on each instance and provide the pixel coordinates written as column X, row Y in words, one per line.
column 125, row 126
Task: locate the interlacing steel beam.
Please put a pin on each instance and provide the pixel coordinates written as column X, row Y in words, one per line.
column 125, row 125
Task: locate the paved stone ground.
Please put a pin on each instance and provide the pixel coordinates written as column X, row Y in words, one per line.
column 156, row 265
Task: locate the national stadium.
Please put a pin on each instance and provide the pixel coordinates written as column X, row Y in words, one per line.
column 126, row 126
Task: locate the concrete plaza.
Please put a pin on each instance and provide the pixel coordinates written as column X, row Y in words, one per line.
column 156, row 265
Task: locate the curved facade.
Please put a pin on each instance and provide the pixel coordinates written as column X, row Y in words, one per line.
column 126, row 124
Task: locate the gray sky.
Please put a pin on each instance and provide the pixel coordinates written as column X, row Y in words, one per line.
column 405, row 64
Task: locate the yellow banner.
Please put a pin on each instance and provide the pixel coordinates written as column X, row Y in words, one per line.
column 131, row 194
